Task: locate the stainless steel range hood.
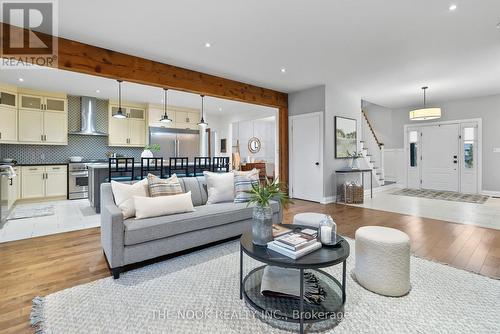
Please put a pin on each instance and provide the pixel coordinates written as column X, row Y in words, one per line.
column 88, row 118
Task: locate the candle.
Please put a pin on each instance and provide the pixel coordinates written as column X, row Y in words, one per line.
column 326, row 234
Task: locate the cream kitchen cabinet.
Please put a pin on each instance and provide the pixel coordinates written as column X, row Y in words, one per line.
column 42, row 120
column 187, row 120
column 129, row 131
column 8, row 116
column 8, row 125
column 43, row 181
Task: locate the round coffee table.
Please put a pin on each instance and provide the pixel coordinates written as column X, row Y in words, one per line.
column 288, row 309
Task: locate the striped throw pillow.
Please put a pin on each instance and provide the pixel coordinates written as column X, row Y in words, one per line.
column 243, row 184
column 163, row 187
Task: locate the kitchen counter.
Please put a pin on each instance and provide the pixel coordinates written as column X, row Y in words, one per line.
column 43, row 164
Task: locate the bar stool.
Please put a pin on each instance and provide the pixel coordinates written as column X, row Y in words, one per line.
column 120, row 169
column 151, row 165
column 176, row 165
column 202, row 164
column 220, row 164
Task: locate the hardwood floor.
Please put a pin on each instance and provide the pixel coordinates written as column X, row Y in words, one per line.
column 44, row 265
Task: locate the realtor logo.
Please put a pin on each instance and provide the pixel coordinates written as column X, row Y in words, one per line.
column 27, row 34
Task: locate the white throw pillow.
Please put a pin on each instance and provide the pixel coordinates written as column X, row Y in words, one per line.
column 220, row 187
column 147, row 207
column 124, row 195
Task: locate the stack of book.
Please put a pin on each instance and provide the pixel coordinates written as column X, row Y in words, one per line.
column 295, row 244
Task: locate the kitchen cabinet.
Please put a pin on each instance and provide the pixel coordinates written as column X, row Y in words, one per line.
column 8, row 99
column 43, row 181
column 8, row 125
column 187, row 120
column 43, row 120
column 129, row 131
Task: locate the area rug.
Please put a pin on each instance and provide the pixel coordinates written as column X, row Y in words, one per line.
column 442, row 195
column 199, row 293
column 21, row 212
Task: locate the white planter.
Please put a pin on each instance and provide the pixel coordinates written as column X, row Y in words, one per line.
column 147, row 154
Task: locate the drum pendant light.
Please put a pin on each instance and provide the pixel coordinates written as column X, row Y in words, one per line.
column 425, row 113
column 120, row 114
column 164, row 118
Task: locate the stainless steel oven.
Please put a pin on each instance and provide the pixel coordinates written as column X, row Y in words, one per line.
column 78, row 181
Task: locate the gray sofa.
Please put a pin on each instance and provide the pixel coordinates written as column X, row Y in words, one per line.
column 135, row 240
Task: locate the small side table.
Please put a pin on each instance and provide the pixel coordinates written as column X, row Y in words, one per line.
column 345, row 171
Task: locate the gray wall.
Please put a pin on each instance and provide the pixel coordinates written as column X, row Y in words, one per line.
column 487, row 108
column 90, row 147
column 381, row 120
column 332, row 102
column 307, row 101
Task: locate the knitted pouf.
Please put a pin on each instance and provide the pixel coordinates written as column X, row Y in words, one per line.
column 383, row 260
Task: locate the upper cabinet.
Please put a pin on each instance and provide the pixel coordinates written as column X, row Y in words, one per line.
column 8, row 116
column 43, row 119
column 182, row 118
column 130, row 131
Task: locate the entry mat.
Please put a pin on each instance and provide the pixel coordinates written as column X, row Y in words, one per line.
column 21, row 212
column 442, row 195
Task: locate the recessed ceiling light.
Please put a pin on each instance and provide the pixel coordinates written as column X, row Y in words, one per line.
column 283, row 70
column 220, row 108
column 21, row 79
column 207, row 44
column 452, row 7
column 97, row 91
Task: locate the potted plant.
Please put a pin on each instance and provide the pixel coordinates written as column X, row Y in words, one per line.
column 354, row 158
column 149, row 149
column 261, row 195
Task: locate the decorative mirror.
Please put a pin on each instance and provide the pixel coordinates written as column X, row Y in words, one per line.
column 254, row 145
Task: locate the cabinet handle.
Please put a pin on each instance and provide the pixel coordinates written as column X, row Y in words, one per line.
column 33, row 169
column 41, row 137
column 56, row 167
column 0, row 135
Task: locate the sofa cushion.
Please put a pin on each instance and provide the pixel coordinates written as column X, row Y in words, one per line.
column 198, row 188
column 205, row 216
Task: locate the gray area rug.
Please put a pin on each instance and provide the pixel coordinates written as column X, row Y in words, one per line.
column 442, row 195
column 199, row 293
column 21, row 212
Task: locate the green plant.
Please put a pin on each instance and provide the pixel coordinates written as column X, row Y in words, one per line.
column 355, row 154
column 152, row 148
column 261, row 194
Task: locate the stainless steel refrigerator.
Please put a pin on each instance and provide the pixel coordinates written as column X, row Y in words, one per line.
column 175, row 142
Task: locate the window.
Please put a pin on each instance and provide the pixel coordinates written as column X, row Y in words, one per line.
column 413, row 139
column 469, row 143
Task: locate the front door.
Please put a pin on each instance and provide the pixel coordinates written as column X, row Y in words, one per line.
column 440, row 157
column 306, row 146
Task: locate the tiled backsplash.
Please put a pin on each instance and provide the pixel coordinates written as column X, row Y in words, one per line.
column 89, row 147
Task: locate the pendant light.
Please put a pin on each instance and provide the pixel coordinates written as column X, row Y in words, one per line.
column 164, row 118
column 120, row 114
column 425, row 113
column 202, row 121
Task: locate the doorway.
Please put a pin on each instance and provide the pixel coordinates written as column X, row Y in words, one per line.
column 444, row 156
column 306, row 156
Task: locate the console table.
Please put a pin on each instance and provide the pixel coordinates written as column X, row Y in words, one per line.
column 345, row 171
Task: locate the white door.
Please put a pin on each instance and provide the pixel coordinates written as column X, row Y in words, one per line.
column 306, row 157
column 413, row 158
column 440, row 157
column 55, row 127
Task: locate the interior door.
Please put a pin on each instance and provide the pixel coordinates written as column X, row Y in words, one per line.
column 307, row 172
column 440, row 157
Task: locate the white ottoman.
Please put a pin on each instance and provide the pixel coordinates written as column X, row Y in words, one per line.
column 383, row 260
column 308, row 219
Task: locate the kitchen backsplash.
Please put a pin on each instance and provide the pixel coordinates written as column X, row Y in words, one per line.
column 89, row 147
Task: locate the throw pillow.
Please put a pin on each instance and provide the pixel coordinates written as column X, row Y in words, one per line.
column 243, row 184
column 147, row 207
column 220, row 187
column 124, row 195
column 163, row 187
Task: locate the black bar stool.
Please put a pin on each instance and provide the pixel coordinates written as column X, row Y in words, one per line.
column 220, row 164
column 202, row 164
column 178, row 166
column 151, row 165
column 120, row 169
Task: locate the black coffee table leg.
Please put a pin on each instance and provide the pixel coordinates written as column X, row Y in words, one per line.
column 301, row 315
column 343, row 280
column 241, row 273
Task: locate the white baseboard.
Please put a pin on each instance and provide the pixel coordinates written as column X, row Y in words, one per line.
column 490, row 193
column 328, row 200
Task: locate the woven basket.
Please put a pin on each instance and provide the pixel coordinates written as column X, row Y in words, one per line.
column 358, row 194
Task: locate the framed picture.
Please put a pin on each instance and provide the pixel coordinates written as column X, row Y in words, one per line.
column 223, row 143
column 345, row 137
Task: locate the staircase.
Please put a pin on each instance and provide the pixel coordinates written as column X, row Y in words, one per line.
column 373, row 150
